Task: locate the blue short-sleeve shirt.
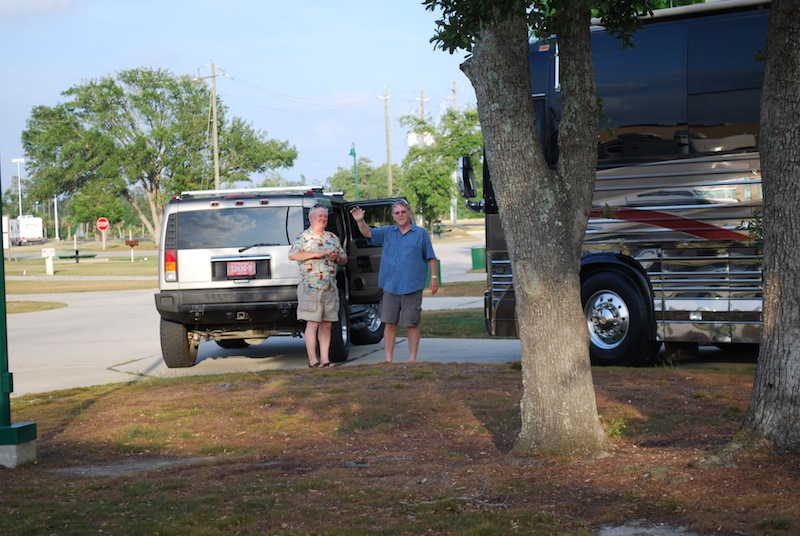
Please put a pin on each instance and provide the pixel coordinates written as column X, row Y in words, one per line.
column 405, row 257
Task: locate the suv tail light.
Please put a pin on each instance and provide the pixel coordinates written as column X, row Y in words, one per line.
column 170, row 265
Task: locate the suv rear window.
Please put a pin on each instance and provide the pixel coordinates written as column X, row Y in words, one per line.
column 239, row 227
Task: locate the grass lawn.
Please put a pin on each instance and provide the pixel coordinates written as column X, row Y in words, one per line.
column 390, row 449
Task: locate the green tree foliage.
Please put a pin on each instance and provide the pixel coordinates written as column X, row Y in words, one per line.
column 10, row 204
column 143, row 131
column 244, row 150
column 94, row 201
column 429, row 169
column 429, row 186
column 372, row 181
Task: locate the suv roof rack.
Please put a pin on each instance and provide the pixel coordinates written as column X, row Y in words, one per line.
column 266, row 190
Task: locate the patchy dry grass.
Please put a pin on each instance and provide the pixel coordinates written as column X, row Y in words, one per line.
column 106, row 267
column 55, row 287
column 13, row 307
column 391, row 449
column 459, row 288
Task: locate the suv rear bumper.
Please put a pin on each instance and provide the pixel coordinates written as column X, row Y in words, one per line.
column 269, row 308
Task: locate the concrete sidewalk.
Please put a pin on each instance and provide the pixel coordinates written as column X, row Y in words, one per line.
column 281, row 353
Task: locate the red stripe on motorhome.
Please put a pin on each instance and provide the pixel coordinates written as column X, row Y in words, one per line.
column 670, row 221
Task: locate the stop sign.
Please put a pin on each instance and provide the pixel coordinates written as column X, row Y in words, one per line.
column 102, row 224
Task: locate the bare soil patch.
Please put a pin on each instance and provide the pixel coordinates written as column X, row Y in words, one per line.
column 394, row 448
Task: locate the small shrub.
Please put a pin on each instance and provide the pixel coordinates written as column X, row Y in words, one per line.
column 615, row 428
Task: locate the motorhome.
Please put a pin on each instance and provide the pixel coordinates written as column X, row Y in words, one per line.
column 668, row 254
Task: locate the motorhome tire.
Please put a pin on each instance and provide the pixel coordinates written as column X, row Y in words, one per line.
column 616, row 316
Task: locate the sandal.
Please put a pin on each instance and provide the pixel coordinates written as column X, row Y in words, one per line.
column 328, row 364
column 315, row 365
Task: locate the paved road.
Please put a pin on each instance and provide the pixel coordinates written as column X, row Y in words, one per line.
column 104, row 337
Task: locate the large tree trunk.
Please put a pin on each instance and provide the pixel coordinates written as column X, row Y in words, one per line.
column 775, row 402
column 153, row 227
column 544, row 216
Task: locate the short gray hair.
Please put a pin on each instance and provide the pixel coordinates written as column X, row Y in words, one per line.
column 315, row 207
column 401, row 203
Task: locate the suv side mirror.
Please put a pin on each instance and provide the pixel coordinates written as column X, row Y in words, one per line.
column 466, row 177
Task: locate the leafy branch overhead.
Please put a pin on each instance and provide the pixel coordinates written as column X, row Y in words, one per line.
column 461, row 21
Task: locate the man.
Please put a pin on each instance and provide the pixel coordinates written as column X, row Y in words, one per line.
column 317, row 253
column 407, row 256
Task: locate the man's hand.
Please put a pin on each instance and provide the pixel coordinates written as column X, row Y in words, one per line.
column 357, row 213
column 434, row 285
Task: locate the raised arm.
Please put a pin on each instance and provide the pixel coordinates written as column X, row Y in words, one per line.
column 358, row 216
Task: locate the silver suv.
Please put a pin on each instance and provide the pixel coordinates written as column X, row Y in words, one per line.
column 225, row 273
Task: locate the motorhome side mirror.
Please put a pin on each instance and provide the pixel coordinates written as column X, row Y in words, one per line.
column 466, row 178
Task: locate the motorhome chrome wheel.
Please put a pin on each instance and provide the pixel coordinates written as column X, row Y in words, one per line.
column 618, row 317
column 607, row 318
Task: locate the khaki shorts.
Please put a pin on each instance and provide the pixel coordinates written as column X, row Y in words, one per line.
column 405, row 309
column 317, row 305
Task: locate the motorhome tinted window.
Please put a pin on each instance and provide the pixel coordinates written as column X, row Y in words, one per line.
column 725, row 77
column 643, row 89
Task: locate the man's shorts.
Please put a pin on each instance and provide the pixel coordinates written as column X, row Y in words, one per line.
column 317, row 305
column 404, row 309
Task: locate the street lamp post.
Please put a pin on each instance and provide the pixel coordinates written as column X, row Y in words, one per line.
column 355, row 168
column 55, row 209
column 19, row 161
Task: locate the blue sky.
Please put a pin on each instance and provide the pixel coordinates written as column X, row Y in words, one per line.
column 309, row 71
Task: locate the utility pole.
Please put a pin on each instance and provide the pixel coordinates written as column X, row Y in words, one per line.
column 388, row 143
column 214, row 135
column 454, row 200
column 422, row 115
column 19, row 161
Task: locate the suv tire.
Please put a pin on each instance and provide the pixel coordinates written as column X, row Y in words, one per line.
column 373, row 332
column 178, row 350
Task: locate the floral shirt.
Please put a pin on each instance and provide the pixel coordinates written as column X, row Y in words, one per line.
column 317, row 273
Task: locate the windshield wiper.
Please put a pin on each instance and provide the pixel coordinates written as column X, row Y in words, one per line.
column 257, row 246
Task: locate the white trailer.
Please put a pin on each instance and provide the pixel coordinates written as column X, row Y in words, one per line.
column 26, row 230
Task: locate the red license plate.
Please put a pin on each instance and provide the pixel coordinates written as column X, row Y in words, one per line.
column 241, row 268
